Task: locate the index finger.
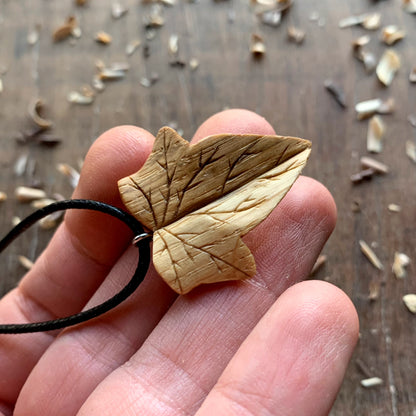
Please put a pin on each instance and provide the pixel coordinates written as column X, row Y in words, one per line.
column 77, row 259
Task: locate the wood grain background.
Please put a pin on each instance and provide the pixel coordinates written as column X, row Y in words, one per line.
column 286, row 87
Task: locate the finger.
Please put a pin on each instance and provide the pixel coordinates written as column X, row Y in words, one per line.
column 299, row 350
column 76, row 260
column 127, row 326
column 186, row 353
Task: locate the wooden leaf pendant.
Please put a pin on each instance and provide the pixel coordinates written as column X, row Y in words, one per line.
column 200, row 199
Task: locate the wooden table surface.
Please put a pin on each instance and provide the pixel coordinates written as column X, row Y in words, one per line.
column 286, row 87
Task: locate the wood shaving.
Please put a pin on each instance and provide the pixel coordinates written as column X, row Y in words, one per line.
column 373, row 290
column 375, row 134
column 132, row 46
column 258, row 47
column 369, row 162
column 35, row 107
column 295, row 34
column 412, row 75
column 27, row 194
column 193, row 64
column 110, row 74
column 42, row 203
column 103, row 37
column 77, row 97
column 98, row 84
column 65, row 31
column 360, row 42
column 371, row 382
column 411, row 118
column 25, row 262
column 370, row 21
column 362, row 175
column 15, row 220
column 1, row 85
column 71, row 173
column 394, row 208
column 409, row 6
column 371, row 256
column 387, row 67
column 51, row 220
column 365, row 109
column 155, row 18
column 410, row 302
column 336, row 92
column 174, row 44
column 392, row 34
column 3, row 196
column 33, row 36
column 118, row 10
column 271, row 18
column 401, row 261
column 147, row 82
column 411, row 150
column 367, row 58
column 320, row 261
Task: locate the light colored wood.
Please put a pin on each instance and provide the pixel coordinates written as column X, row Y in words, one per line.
column 200, row 199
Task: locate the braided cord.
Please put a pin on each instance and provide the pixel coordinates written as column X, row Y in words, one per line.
column 143, row 246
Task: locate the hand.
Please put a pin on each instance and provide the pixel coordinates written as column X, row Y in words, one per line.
column 270, row 345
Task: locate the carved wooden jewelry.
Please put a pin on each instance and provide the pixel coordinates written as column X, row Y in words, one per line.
column 200, row 199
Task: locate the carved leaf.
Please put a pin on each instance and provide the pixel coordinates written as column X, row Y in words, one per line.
column 200, row 199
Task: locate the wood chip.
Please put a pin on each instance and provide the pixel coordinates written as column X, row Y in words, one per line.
column 35, row 107
column 271, row 18
column 65, row 31
column 193, row 64
column 409, row 6
column 51, row 220
column 373, row 290
column 371, row 256
column 320, row 261
column 1, row 86
column 371, row 382
column 392, row 34
column 118, row 10
column 370, row 21
column 132, row 46
column 155, row 18
column 412, row 119
column 369, row 162
column 173, row 44
column 25, row 262
column 411, row 150
column 3, row 196
column 42, row 203
column 394, row 208
column 410, row 301
column 412, row 75
column 77, row 97
column 401, row 261
column 337, row 92
column 362, row 175
column 295, row 35
column 258, row 47
column 71, row 173
column 375, row 134
column 368, row 108
column 27, row 194
column 110, row 74
column 33, row 36
column 387, row 67
column 103, row 37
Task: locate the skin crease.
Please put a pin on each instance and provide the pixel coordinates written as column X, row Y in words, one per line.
column 159, row 354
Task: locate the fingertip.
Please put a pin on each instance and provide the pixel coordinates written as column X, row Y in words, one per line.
column 118, row 152
column 323, row 310
column 235, row 121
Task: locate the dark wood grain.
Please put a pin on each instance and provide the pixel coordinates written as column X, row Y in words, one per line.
column 286, row 87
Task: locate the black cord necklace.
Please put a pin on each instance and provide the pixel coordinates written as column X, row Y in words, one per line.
column 141, row 241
